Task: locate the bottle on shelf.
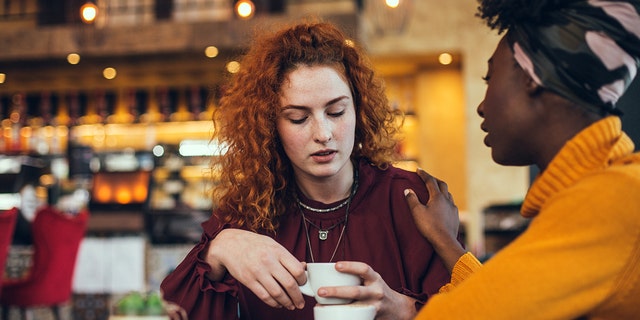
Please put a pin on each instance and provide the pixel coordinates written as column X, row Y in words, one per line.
column 4, row 120
column 17, row 119
column 157, row 106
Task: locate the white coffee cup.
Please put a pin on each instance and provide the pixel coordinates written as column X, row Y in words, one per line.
column 353, row 311
column 324, row 274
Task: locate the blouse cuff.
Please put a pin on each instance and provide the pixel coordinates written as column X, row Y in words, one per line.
column 227, row 284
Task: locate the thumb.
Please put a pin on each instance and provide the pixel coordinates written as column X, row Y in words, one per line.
column 412, row 198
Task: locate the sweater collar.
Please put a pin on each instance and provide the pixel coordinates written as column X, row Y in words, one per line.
column 592, row 149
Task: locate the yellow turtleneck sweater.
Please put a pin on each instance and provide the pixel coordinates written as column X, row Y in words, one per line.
column 580, row 255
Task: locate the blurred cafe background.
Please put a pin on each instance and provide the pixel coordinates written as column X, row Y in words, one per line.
column 105, row 109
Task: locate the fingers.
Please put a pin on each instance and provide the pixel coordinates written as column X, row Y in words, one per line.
column 274, row 279
column 418, row 210
column 295, row 269
column 280, row 287
column 360, row 269
column 423, row 175
column 293, row 276
column 444, row 188
column 271, row 293
column 353, row 293
column 433, row 185
column 372, row 291
column 350, row 292
column 412, row 199
column 175, row 312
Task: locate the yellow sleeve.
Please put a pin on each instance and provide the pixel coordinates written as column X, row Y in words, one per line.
column 465, row 266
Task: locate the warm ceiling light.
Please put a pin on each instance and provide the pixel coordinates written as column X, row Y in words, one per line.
column 211, row 51
column 445, row 59
column 109, row 73
column 392, row 3
column 233, row 67
column 88, row 12
column 3, row 77
column 245, row 9
column 73, row 58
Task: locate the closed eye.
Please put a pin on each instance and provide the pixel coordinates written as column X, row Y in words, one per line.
column 336, row 114
column 299, row 121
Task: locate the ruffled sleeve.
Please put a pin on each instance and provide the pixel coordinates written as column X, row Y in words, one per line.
column 189, row 288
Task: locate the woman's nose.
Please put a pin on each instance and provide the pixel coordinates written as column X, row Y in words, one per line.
column 480, row 109
column 322, row 131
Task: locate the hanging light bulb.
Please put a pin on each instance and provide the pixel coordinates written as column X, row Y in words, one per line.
column 445, row 58
column 389, row 17
column 392, row 3
column 88, row 12
column 245, row 9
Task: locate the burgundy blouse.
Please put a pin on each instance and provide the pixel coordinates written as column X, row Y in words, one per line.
column 380, row 232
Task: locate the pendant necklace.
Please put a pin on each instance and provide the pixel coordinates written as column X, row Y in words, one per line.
column 324, row 233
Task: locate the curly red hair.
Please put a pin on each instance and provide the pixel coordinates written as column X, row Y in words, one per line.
column 255, row 174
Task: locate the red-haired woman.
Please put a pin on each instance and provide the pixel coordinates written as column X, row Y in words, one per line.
column 307, row 177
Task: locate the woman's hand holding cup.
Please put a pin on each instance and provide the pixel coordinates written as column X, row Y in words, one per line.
column 321, row 274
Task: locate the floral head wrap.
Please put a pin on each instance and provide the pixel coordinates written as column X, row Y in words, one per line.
column 585, row 50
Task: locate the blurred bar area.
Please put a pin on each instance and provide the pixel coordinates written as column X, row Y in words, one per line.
column 106, row 106
column 105, row 109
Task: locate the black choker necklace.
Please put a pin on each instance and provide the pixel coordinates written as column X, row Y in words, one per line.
column 323, row 233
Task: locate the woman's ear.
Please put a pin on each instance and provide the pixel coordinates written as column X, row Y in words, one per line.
column 531, row 86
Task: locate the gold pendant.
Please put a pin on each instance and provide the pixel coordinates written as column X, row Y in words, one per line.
column 322, row 234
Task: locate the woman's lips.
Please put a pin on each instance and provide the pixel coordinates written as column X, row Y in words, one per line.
column 324, row 156
column 486, row 137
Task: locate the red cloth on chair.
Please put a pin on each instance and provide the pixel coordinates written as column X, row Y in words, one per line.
column 7, row 226
column 56, row 240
